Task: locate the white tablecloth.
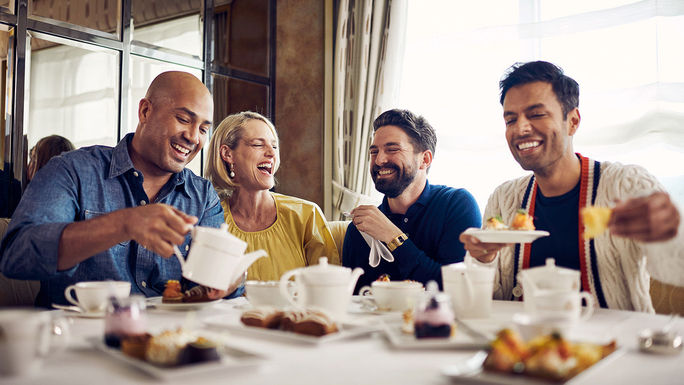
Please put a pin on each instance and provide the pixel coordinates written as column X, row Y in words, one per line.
column 366, row 360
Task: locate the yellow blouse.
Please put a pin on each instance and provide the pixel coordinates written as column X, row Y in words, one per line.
column 298, row 237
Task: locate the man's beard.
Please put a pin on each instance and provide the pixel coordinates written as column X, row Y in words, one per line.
column 393, row 187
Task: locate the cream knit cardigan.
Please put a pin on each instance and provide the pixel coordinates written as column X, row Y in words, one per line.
column 624, row 265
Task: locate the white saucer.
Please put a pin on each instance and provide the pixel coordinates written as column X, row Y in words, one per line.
column 75, row 311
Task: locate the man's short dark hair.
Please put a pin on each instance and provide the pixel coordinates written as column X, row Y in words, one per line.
column 565, row 88
column 422, row 134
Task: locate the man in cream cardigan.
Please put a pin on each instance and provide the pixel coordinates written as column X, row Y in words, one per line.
column 541, row 115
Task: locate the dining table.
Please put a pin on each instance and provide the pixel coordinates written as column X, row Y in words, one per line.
column 362, row 358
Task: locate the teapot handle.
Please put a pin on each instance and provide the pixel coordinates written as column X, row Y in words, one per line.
column 177, row 253
column 284, row 291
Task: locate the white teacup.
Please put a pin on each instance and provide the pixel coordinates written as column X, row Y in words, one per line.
column 92, row 296
column 26, row 335
column 470, row 287
column 392, row 295
column 266, row 293
column 565, row 304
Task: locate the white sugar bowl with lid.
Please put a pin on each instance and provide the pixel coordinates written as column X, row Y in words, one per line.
column 546, row 278
column 323, row 287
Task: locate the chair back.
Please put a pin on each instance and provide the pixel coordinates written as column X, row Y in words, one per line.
column 16, row 292
column 338, row 230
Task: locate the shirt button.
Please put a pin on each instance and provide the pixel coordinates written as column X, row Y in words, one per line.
column 135, row 173
column 143, row 203
column 405, row 220
column 143, row 283
column 187, row 247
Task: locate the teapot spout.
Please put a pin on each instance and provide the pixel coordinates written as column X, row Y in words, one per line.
column 356, row 273
column 247, row 261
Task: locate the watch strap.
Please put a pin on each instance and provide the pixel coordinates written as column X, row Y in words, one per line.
column 397, row 241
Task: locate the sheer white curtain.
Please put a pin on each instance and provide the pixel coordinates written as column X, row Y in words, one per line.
column 626, row 55
column 368, row 52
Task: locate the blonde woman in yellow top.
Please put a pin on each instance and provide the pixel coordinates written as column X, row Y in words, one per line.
column 243, row 159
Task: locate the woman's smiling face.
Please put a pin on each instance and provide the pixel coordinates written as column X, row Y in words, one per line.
column 256, row 157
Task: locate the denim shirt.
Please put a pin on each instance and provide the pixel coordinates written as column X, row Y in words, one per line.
column 84, row 184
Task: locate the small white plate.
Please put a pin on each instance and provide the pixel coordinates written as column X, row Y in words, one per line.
column 460, row 340
column 470, row 371
column 157, row 303
column 231, row 358
column 346, row 331
column 506, row 236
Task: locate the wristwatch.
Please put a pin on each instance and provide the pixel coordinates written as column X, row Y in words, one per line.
column 396, row 242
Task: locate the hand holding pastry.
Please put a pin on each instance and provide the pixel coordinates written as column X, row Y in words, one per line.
column 648, row 219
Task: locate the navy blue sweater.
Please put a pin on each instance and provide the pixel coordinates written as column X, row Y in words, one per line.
column 433, row 224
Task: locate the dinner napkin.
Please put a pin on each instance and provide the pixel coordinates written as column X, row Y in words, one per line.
column 377, row 250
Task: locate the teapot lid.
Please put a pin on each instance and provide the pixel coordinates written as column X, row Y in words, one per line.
column 325, row 274
column 549, row 269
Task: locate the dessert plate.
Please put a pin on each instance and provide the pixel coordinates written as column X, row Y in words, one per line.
column 346, row 331
column 506, row 236
column 157, row 303
column 460, row 340
column 231, row 358
column 470, row 371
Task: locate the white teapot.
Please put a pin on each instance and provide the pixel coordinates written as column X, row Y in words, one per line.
column 216, row 258
column 323, row 286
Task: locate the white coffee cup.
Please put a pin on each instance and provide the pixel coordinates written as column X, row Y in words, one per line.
column 392, row 295
column 266, row 293
column 26, row 336
column 566, row 304
column 470, row 287
column 92, row 296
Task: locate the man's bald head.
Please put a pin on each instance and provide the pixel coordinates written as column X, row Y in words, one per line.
column 170, row 83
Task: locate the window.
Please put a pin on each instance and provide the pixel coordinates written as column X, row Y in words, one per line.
column 625, row 54
column 81, row 67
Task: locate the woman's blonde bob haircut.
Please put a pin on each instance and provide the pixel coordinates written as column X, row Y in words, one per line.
column 229, row 132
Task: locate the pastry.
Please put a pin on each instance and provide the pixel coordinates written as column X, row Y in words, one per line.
column 407, row 325
column 495, row 223
column 309, row 322
column 383, row 278
column 595, row 220
column 550, row 357
column 313, row 323
column 201, row 350
column 135, row 346
column 522, row 221
column 172, row 292
column 263, row 317
column 164, row 349
column 196, row 294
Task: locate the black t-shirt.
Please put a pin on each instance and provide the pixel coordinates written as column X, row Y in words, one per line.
column 559, row 216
